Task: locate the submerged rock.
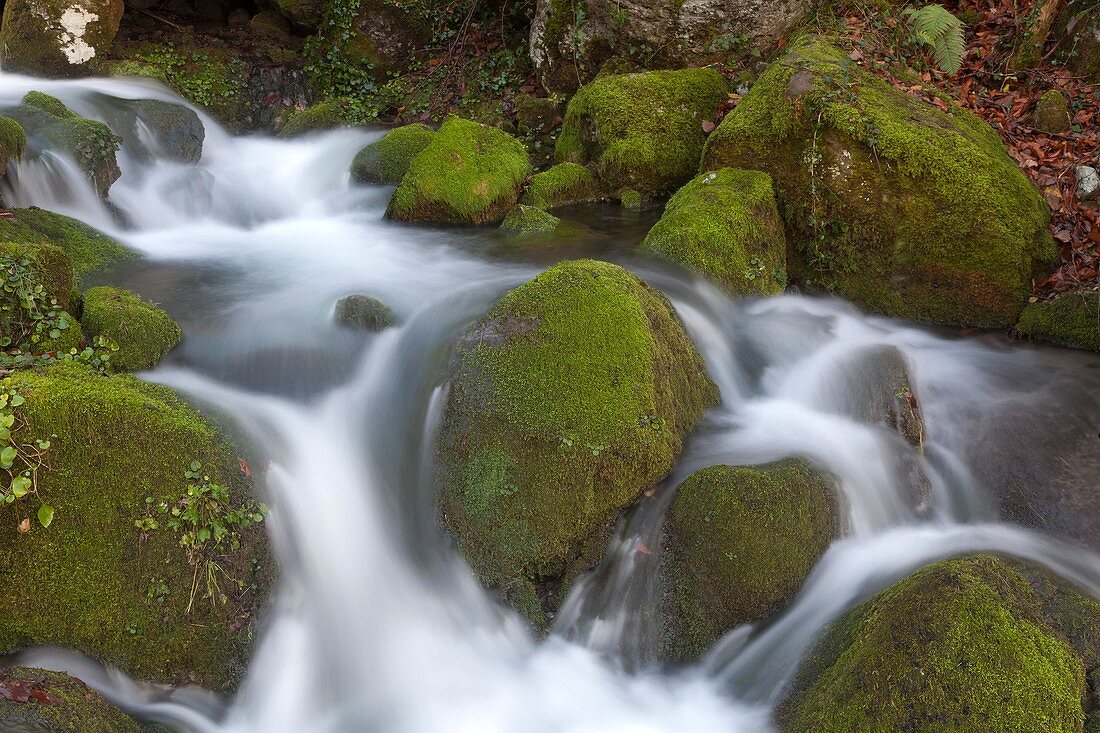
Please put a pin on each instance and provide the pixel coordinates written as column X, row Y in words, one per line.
column 561, row 185
column 900, row 207
column 387, row 160
column 177, row 129
column 364, row 312
column 738, row 544
column 566, row 401
column 1069, row 319
column 960, row 646
column 642, row 131
column 101, row 578
column 468, row 174
column 54, row 702
column 57, row 38
column 725, row 226
column 144, row 333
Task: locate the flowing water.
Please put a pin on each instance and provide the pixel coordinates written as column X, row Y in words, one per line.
column 376, row 624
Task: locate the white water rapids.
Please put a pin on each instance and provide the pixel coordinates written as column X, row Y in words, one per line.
column 376, row 624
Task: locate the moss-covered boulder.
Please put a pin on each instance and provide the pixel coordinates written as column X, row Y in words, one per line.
column 325, row 115
column 102, row 578
column 561, row 185
column 52, row 126
column 903, row 208
column 87, row 248
column 364, row 312
column 13, row 141
column 642, row 131
column 566, row 401
column 387, row 160
column 468, row 174
column 1070, row 319
column 51, row 38
column 37, row 700
column 144, row 333
column 960, row 646
column 738, row 544
column 725, row 226
column 525, row 221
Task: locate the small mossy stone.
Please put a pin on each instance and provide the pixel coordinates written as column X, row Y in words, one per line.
column 87, row 248
column 144, row 333
column 387, row 160
column 567, row 400
column 326, row 115
column 903, row 208
column 57, row 39
column 1052, row 113
column 468, row 174
column 57, row 703
column 528, row 220
column 562, row 185
column 725, row 225
column 642, row 131
column 92, row 581
column 739, row 542
column 1069, row 319
column 631, row 200
column 364, row 312
column 13, row 141
column 960, row 646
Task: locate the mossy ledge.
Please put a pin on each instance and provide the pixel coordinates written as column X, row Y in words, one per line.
column 888, row 201
column 144, row 333
column 89, row 249
column 387, row 160
column 566, row 401
column 98, row 584
column 70, row 707
column 725, row 226
column 1070, row 319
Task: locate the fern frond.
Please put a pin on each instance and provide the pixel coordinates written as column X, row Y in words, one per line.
column 935, row 27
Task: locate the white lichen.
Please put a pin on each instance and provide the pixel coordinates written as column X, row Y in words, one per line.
column 74, row 23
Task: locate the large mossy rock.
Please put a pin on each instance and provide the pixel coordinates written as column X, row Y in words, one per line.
column 1070, row 319
column 40, row 701
column 468, row 174
column 642, row 131
column 387, row 160
column 566, row 401
column 561, row 185
column 51, row 126
column 725, row 226
column 904, row 209
column 55, row 38
column 144, row 333
column 960, row 646
column 570, row 40
column 738, row 544
column 87, row 248
column 92, row 580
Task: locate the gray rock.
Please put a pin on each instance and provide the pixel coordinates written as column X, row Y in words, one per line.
column 178, row 130
column 364, row 312
column 1088, row 182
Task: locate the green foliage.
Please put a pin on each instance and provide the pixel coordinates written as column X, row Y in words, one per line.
column 527, row 220
column 20, row 459
column 30, row 315
column 334, row 66
column 935, row 27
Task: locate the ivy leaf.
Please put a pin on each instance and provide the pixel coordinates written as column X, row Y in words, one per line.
column 45, row 515
column 20, row 485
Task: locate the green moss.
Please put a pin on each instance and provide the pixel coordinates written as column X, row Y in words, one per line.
column 961, row 646
column 527, row 220
column 325, row 115
column 87, row 248
column 144, row 333
column 50, row 105
column 92, row 581
column 569, row 398
column 903, row 208
column 49, row 265
column 71, row 708
column 631, row 200
column 1052, row 112
column 13, row 140
column 739, row 543
column 387, row 160
column 642, row 131
column 1070, row 319
column 564, row 184
column 725, row 225
column 468, row 174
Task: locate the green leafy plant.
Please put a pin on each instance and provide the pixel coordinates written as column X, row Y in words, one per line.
column 30, row 313
column 20, row 461
column 933, row 26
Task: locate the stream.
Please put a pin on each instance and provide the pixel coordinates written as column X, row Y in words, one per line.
column 376, row 623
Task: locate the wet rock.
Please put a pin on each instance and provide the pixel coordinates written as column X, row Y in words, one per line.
column 641, row 131
column 57, row 38
column 566, row 401
column 875, row 388
column 144, row 333
column 177, row 131
column 13, row 141
column 1052, row 113
column 118, row 573
column 943, row 650
column 270, row 24
column 53, row 702
column 568, row 46
column 387, row 160
column 364, row 312
column 468, row 174
column 562, row 185
column 1069, row 319
column 739, row 542
column 725, row 225
column 899, row 206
